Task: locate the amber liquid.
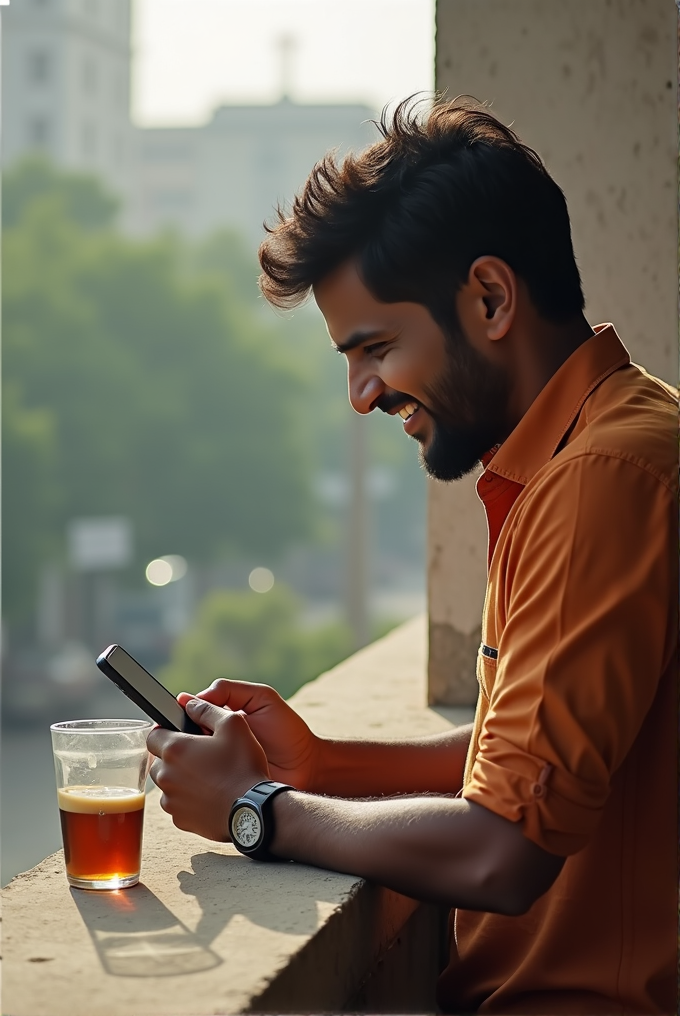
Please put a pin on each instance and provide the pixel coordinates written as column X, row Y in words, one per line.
column 102, row 832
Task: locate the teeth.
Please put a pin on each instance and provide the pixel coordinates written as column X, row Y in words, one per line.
column 408, row 410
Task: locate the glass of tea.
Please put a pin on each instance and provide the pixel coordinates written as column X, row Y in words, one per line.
column 101, row 768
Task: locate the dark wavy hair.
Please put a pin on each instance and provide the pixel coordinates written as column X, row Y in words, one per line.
column 444, row 186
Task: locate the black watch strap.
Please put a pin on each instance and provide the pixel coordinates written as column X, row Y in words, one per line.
column 259, row 798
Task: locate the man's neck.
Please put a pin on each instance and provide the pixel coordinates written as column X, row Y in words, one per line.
column 540, row 351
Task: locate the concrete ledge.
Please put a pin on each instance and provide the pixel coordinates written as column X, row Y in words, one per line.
column 209, row 931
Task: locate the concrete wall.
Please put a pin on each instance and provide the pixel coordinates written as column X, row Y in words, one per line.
column 592, row 86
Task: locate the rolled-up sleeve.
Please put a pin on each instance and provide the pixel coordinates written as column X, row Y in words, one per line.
column 589, row 583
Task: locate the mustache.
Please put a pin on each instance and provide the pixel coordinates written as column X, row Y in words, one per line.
column 388, row 402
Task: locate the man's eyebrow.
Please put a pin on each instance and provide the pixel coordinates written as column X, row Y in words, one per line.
column 355, row 339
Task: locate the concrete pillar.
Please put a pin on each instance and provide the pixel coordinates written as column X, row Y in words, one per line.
column 456, row 536
column 592, row 86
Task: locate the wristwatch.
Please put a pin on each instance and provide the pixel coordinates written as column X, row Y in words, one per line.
column 251, row 821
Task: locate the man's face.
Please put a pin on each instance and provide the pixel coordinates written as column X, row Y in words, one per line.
column 452, row 400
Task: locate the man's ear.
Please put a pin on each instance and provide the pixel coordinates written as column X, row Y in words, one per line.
column 491, row 295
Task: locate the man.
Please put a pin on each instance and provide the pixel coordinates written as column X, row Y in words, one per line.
column 441, row 259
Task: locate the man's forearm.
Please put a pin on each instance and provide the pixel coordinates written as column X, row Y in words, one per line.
column 436, row 849
column 374, row 769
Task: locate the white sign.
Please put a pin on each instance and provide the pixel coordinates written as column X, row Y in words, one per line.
column 100, row 543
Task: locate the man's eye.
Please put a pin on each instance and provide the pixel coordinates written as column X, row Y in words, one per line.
column 374, row 347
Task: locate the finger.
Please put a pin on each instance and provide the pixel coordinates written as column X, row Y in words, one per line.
column 238, row 695
column 207, row 715
column 185, row 696
column 155, row 771
column 159, row 739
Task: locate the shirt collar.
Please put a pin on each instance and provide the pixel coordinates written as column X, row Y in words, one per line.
column 538, row 434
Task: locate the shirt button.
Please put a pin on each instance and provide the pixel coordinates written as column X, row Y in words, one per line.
column 488, row 477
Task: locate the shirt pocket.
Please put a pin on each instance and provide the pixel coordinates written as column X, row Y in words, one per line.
column 487, row 663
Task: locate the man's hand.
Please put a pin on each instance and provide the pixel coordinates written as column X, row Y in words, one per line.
column 339, row 768
column 201, row 776
column 289, row 744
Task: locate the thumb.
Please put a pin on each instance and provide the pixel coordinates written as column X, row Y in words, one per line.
column 205, row 713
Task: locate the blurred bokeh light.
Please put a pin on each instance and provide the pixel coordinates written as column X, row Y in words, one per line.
column 261, row 580
column 163, row 570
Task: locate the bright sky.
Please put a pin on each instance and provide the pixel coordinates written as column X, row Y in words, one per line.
column 192, row 55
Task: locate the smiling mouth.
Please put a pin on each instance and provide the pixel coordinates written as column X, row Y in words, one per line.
column 407, row 411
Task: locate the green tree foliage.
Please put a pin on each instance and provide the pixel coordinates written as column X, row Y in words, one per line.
column 30, row 497
column 253, row 637
column 225, row 257
column 83, row 200
column 151, row 392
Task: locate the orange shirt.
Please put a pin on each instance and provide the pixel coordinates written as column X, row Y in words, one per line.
column 575, row 729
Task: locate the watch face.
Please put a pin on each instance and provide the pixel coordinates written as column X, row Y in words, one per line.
column 246, row 827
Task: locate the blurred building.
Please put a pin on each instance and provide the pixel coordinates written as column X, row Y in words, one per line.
column 66, row 85
column 66, row 68
column 235, row 169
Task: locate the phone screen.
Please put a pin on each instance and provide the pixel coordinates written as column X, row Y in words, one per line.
column 148, row 693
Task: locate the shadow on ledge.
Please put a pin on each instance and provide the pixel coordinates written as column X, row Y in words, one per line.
column 135, row 935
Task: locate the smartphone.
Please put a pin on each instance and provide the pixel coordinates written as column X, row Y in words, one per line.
column 145, row 691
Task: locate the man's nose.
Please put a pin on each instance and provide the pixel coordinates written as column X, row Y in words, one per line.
column 364, row 389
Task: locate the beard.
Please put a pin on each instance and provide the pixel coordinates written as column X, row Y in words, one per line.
column 468, row 408
column 455, row 451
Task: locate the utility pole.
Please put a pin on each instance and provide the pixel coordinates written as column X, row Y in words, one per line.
column 286, row 46
column 357, row 580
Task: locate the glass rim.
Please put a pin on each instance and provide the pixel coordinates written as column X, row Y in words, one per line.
column 99, row 726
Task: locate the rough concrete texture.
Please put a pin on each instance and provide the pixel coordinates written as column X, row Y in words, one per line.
column 456, row 573
column 456, row 578
column 591, row 85
column 452, row 678
column 405, row 979
column 209, row 931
